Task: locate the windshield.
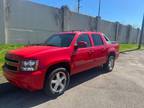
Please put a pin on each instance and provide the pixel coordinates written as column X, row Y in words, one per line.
column 60, row 40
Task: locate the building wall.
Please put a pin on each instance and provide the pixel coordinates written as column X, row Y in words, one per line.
column 2, row 22
column 30, row 22
column 107, row 28
column 122, row 34
column 133, row 38
column 23, row 21
column 81, row 22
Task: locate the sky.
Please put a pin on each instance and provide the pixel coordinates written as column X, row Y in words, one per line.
column 123, row 11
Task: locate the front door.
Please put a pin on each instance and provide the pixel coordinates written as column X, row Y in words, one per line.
column 82, row 57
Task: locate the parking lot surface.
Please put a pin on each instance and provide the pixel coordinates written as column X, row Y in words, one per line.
column 121, row 88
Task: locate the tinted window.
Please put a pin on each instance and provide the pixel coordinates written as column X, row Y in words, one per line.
column 85, row 38
column 97, row 40
column 60, row 40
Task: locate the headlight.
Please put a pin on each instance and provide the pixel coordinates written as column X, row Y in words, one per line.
column 29, row 65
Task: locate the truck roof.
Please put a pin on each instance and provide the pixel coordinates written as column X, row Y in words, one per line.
column 78, row 32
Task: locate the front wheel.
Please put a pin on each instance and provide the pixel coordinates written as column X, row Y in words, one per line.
column 110, row 63
column 57, row 82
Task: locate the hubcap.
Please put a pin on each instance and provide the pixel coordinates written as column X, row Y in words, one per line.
column 111, row 63
column 58, row 82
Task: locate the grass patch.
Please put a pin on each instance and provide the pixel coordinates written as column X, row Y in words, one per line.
column 3, row 51
column 125, row 47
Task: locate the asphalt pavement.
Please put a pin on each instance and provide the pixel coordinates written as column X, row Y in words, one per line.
column 121, row 88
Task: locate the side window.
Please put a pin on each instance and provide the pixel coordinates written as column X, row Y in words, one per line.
column 97, row 40
column 85, row 38
column 107, row 39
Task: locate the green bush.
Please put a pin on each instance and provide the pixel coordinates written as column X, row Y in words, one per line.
column 4, row 49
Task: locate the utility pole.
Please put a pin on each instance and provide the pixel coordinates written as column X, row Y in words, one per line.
column 141, row 34
column 78, row 7
column 99, row 8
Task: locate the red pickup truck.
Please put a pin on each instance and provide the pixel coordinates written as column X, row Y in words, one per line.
column 48, row 66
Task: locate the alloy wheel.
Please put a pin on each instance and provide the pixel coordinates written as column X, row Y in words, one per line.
column 58, row 82
column 111, row 62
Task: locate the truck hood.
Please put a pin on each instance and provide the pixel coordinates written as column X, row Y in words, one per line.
column 33, row 50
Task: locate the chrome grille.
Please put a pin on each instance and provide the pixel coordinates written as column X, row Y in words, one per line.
column 10, row 60
column 11, row 64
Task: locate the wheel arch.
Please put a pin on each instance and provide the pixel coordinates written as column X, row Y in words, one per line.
column 112, row 53
column 64, row 64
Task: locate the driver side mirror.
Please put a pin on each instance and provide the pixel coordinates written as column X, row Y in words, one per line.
column 81, row 44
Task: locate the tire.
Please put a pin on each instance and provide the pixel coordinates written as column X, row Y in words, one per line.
column 108, row 67
column 57, row 82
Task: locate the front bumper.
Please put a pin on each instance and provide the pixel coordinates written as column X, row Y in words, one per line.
column 27, row 80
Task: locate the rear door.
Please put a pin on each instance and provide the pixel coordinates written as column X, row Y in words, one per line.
column 99, row 50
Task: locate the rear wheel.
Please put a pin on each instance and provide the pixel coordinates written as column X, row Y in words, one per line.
column 57, row 82
column 110, row 63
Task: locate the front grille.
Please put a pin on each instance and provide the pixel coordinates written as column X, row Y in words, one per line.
column 11, row 64
column 7, row 59
column 13, row 68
